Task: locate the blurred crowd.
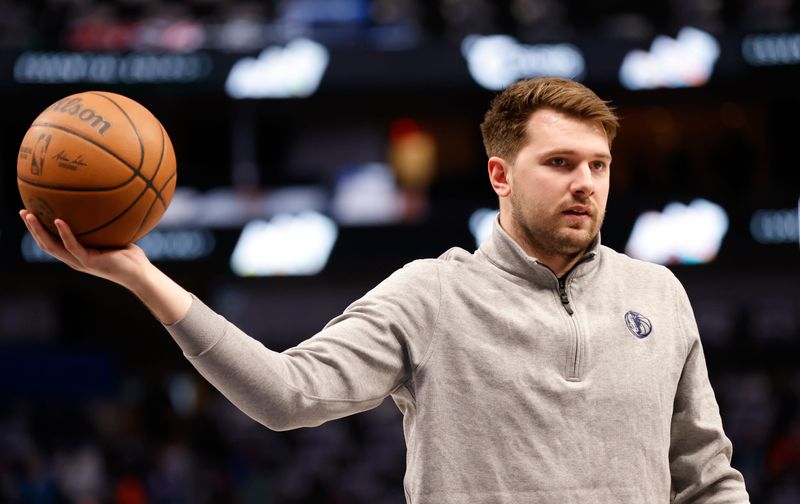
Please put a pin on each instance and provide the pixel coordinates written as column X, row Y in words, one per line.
column 139, row 447
column 761, row 412
column 86, row 25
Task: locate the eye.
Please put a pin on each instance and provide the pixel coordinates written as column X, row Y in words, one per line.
column 598, row 165
column 558, row 162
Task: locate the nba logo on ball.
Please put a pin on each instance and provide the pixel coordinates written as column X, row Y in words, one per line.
column 639, row 325
column 101, row 162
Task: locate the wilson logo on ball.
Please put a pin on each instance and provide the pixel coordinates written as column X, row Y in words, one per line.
column 72, row 106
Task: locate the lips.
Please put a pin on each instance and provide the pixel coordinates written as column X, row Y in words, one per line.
column 577, row 210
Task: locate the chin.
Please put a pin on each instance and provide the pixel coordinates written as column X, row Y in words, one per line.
column 575, row 241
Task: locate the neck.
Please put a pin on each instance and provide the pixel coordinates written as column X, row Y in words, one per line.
column 559, row 262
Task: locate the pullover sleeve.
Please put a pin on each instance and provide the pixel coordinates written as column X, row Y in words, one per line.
column 700, row 453
column 357, row 360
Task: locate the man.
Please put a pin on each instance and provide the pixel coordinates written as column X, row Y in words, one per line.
column 544, row 367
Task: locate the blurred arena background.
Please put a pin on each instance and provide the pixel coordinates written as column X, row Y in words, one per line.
column 321, row 145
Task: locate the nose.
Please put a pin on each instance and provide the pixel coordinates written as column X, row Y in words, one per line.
column 582, row 182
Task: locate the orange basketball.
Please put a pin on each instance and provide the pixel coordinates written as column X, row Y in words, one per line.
column 102, row 163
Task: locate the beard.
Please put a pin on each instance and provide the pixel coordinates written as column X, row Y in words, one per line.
column 547, row 234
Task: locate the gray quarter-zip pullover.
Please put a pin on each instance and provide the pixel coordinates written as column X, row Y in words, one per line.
column 513, row 388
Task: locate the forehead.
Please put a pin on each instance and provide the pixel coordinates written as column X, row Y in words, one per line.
column 548, row 128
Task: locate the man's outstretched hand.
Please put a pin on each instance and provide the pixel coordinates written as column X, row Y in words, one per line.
column 128, row 267
column 123, row 266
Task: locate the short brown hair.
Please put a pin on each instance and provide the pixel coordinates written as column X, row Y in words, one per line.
column 504, row 126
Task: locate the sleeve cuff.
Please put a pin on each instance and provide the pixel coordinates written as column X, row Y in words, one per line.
column 199, row 330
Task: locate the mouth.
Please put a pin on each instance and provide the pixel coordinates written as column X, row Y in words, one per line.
column 577, row 211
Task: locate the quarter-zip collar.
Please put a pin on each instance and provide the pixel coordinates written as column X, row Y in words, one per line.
column 505, row 253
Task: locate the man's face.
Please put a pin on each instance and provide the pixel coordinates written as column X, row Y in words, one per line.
column 558, row 184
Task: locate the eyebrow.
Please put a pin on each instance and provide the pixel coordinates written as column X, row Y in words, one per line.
column 571, row 152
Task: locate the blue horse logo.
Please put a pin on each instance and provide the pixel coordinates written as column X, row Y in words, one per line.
column 639, row 325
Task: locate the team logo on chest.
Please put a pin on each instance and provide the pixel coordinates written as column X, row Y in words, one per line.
column 639, row 325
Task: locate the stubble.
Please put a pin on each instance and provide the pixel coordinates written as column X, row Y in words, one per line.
column 545, row 233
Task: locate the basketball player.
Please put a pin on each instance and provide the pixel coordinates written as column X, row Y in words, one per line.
column 544, row 367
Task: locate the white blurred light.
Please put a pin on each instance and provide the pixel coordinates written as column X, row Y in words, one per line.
column 495, row 61
column 680, row 234
column 686, row 61
column 294, row 71
column 367, row 195
column 480, row 224
column 776, row 226
column 285, row 245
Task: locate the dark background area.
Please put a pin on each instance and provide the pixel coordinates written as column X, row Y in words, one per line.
column 98, row 405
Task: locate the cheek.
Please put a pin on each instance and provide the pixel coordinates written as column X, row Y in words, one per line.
column 603, row 199
column 601, row 192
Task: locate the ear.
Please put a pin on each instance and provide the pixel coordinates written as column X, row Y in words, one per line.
column 500, row 176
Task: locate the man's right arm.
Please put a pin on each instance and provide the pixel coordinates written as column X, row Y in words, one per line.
column 361, row 356
column 358, row 359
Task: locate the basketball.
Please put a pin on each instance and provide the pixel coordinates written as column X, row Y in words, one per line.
column 101, row 162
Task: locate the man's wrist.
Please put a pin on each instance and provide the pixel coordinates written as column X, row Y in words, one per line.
column 166, row 300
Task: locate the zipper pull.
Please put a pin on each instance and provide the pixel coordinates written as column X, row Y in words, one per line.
column 562, row 292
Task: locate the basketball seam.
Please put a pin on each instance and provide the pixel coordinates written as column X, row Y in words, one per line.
column 146, row 215
column 158, row 166
column 119, row 215
column 151, row 186
column 130, row 121
column 75, row 189
column 148, row 182
column 116, row 217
